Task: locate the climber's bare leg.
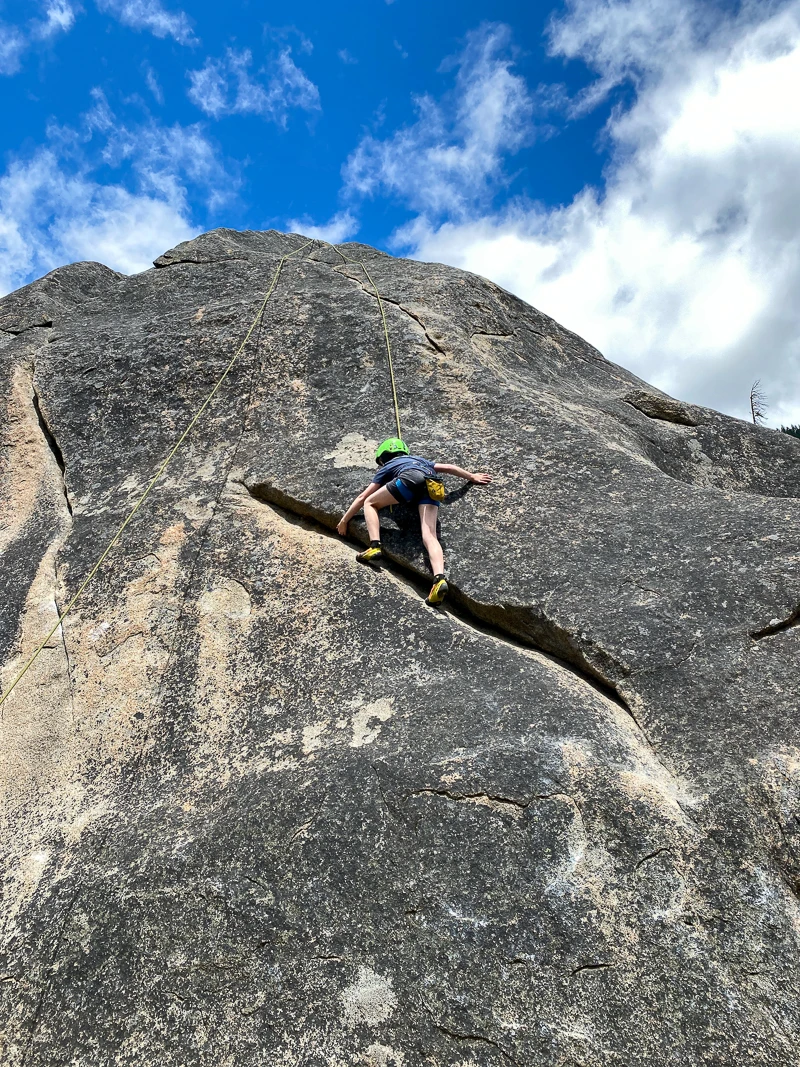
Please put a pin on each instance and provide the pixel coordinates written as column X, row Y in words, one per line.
column 372, row 505
column 428, row 514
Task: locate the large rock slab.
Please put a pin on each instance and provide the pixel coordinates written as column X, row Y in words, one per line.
column 260, row 805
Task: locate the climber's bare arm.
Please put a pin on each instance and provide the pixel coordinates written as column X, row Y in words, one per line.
column 459, row 472
column 355, row 507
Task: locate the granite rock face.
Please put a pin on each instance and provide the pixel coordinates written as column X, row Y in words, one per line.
column 261, row 805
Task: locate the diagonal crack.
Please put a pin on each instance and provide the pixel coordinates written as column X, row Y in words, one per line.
column 590, row 967
column 388, row 300
column 304, row 827
column 509, row 624
column 52, row 443
column 458, row 604
column 652, row 855
column 777, row 627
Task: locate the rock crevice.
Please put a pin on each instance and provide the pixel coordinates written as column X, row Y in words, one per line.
column 486, row 619
column 777, row 626
column 52, row 445
column 366, row 288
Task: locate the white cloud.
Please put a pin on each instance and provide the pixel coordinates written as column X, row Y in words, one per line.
column 340, row 227
column 59, row 17
column 151, row 81
column 685, row 266
column 164, row 158
column 346, row 57
column 54, row 209
column 224, row 86
column 50, row 215
column 12, row 46
column 452, row 157
column 152, row 16
column 616, row 39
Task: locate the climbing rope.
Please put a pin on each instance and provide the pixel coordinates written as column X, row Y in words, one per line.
column 388, row 351
column 156, row 476
column 220, row 381
column 360, row 263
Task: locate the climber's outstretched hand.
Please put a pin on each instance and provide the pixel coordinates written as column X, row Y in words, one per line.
column 341, row 528
column 481, row 479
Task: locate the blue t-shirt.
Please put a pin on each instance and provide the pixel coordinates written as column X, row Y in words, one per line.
column 392, row 470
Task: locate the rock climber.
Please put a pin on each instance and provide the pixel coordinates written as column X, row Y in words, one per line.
column 403, row 478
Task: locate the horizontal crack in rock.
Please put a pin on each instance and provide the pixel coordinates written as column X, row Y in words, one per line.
column 46, row 324
column 488, row 333
column 458, row 1035
column 509, row 805
column 590, row 967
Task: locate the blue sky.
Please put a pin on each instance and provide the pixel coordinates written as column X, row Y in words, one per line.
column 628, row 166
column 338, row 78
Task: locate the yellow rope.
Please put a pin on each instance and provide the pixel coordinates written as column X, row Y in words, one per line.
column 360, row 263
column 388, row 351
column 155, row 477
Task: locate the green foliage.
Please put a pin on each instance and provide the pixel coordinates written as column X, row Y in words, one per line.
column 793, row 430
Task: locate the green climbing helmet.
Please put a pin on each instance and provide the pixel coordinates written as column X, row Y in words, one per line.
column 390, row 448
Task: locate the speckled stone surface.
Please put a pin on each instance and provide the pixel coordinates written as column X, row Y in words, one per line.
column 261, row 806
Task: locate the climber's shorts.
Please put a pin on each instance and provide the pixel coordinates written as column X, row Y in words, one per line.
column 411, row 488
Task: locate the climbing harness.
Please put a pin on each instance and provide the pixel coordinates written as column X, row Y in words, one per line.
column 220, row 381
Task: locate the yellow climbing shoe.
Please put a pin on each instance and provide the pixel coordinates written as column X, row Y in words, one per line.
column 438, row 592
column 372, row 555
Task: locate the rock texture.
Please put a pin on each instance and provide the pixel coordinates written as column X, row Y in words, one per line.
column 263, row 806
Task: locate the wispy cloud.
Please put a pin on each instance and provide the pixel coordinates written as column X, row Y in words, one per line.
column 226, row 86
column 152, row 16
column 346, row 57
column 685, row 266
column 283, row 35
column 453, row 156
column 339, row 227
column 151, row 81
column 58, row 16
column 55, row 208
column 632, row 40
column 12, row 46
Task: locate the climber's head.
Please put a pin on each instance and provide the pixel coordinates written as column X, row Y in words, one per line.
column 391, row 448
